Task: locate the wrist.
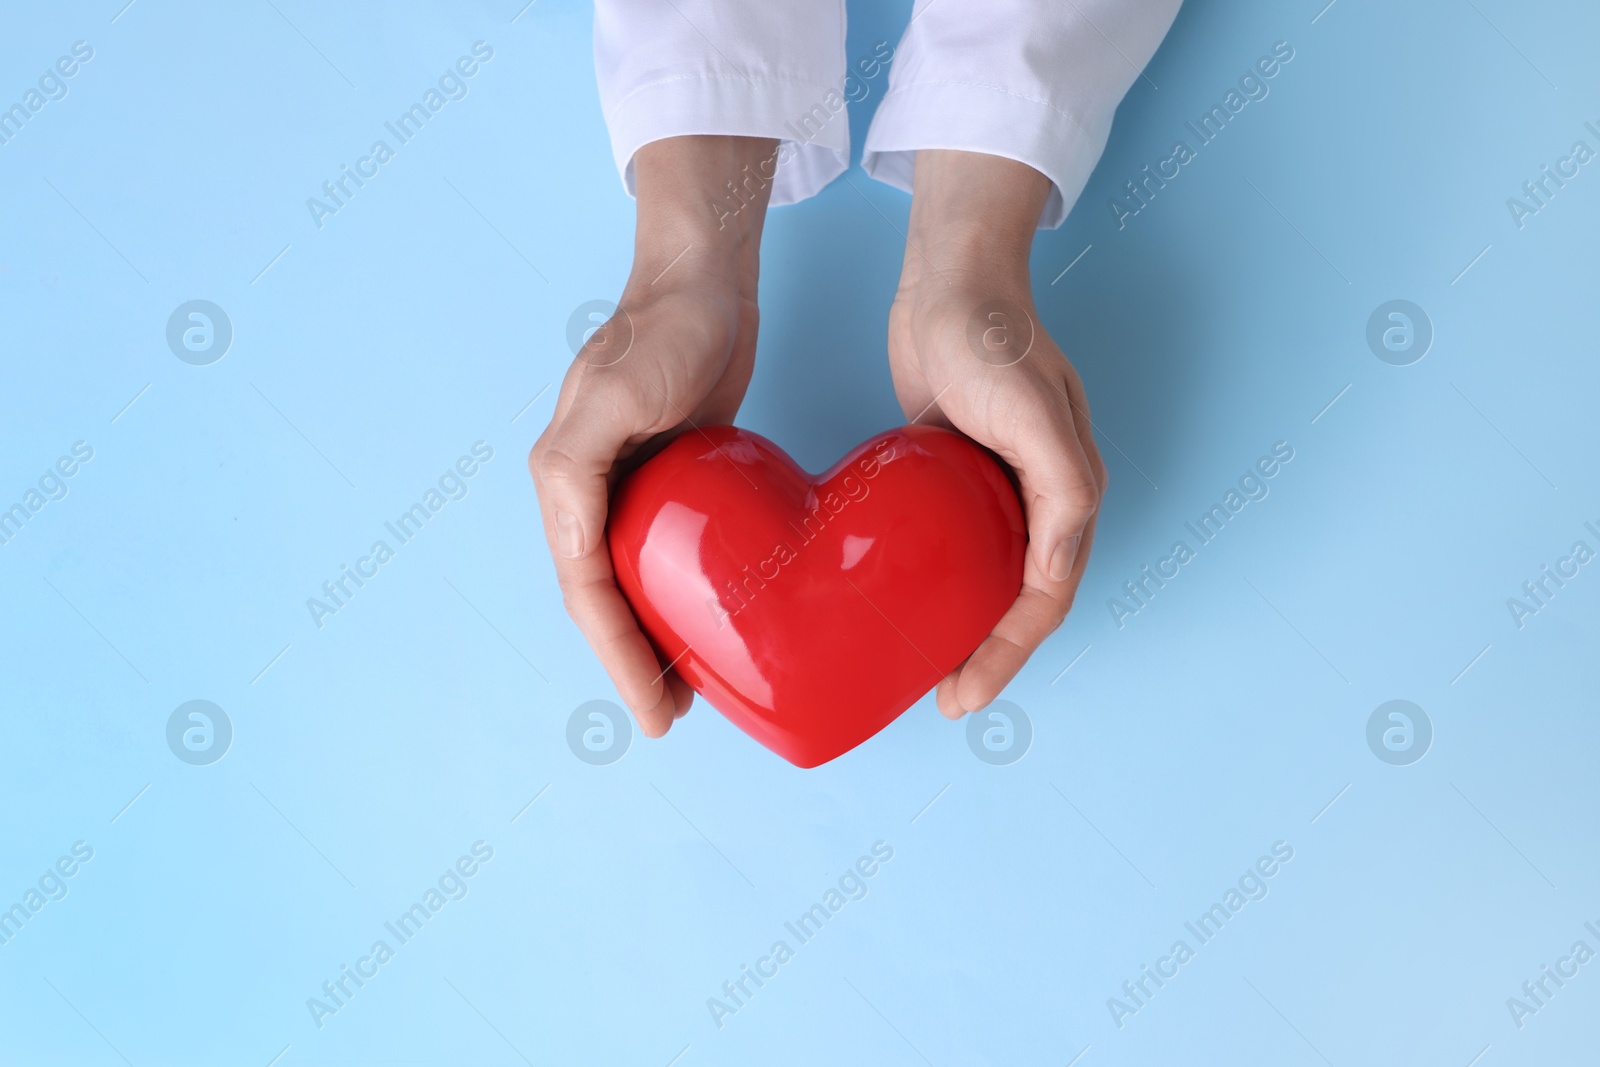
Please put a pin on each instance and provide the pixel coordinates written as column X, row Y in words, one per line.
column 702, row 205
column 973, row 214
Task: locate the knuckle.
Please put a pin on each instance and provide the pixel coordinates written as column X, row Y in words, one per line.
column 1082, row 499
column 1102, row 474
column 1038, row 613
column 571, row 599
column 556, row 466
column 1047, row 613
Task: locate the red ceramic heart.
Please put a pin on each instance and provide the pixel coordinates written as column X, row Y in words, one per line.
column 812, row 611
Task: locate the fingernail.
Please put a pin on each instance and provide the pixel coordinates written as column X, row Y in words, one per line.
column 569, row 535
column 1061, row 559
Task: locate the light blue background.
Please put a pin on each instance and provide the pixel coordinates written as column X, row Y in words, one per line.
column 370, row 754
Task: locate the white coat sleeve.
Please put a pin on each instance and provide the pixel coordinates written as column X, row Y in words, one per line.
column 751, row 68
column 1036, row 81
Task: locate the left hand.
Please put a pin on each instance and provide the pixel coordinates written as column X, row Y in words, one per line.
column 966, row 350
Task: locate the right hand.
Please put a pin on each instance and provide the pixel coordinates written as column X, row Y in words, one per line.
column 677, row 354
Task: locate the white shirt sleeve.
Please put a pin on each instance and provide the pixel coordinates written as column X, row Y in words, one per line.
column 750, row 68
column 1031, row 80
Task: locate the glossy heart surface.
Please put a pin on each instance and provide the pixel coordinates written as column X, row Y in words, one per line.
column 813, row 610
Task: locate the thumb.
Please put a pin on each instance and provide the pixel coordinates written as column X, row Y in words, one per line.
column 1059, row 490
column 572, row 469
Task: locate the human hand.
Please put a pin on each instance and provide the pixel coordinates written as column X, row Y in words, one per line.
column 966, row 350
column 677, row 353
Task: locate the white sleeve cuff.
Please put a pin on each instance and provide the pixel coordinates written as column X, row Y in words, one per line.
column 982, row 118
column 728, row 68
column 816, row 138
column 1029, row 80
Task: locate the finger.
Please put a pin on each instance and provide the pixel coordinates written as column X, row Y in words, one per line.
column 682, row 695
column 570, row 465
column 661, row 717
column 944, row 695
column 1085, row 430
column 590, row 592
column 1060, row 490
column 1035, row 615
column 1073, row 581
column 1029, row 423
column 1022, row 629
column 1083, row 425
column 1020, row 632
column 572, row 462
